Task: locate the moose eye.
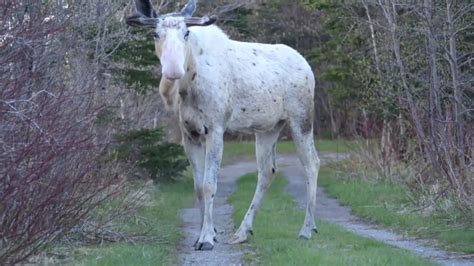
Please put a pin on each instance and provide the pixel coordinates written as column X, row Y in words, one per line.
column 186, row 35
column 156, row 35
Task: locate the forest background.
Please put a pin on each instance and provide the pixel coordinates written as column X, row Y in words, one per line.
column 80, row 115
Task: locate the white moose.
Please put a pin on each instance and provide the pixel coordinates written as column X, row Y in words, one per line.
column 217, row 84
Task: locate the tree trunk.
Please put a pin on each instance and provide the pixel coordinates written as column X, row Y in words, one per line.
column 453, row 63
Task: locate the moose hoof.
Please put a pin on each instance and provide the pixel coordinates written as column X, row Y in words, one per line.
column 237, row 239
column 302, row 237
column 306, row 234
column 204, row 246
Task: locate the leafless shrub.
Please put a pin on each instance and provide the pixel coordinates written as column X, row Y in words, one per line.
column 420, row 56
column 52, row 172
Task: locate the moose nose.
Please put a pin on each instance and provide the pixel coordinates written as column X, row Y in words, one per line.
column 172, row 64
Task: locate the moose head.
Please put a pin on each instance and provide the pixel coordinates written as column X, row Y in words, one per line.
column 171, row 34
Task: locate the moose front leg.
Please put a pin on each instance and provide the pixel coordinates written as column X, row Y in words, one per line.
column 196, row 151
column 214, row 149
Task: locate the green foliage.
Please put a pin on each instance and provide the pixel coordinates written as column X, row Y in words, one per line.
column 337, row 58
column 241, row 22
column 146, row 148
column 139, row 80
column 345, row 62
column 139, row 51
column 135, row 63
column 320, row 4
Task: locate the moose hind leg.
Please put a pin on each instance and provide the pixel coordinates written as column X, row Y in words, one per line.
column 309, row 159
column 265, row 160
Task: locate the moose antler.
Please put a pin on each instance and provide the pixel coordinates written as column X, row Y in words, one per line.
column 204, row 21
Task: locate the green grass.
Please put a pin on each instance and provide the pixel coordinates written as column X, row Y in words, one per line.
column 388, row 204
column 159, row 220
column 246, row 150
column 276, row 229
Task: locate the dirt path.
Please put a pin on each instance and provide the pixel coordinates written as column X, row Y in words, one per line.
column 327, row 209
column 330, row 210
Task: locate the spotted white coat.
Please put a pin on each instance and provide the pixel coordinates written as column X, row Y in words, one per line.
column 216, row 84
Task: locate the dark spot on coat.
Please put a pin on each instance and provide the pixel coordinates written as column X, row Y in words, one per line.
column 194, row 76
column 188, row 69
column 258, row 110
column 274, row 100
column 228, row 114
column 183, row 94
column 201, row 51
column 273, row 170
column 280, row 123
column 254, row 64
column 195, row 134
column 244, row 110
column 252, row 207
column 207, row 63
column 307, row 123
column 212, row 195
column 206, row 131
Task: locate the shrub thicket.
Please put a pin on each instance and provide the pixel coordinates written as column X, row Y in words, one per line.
column 146, row 148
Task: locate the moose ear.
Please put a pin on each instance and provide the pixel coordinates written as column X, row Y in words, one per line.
column 145, row 8
column 189, row 9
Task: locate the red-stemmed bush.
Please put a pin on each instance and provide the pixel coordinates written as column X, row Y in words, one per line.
column 51, row 175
